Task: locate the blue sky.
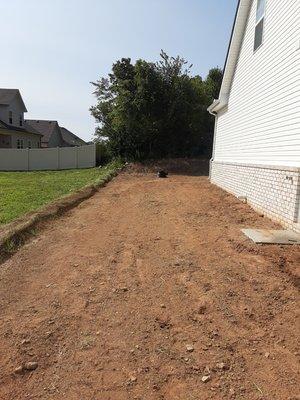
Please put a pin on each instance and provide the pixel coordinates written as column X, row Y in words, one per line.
column 52, row 49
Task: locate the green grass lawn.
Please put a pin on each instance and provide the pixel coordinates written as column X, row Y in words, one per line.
column 21, row 192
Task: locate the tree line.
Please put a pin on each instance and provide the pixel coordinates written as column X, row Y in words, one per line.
column 152, row 110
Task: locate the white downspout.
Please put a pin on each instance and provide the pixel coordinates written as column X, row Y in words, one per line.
column 214, row 141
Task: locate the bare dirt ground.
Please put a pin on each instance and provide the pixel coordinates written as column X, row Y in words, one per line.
column 149, row 291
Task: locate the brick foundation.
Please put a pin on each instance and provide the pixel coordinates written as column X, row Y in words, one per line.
column 274, row 191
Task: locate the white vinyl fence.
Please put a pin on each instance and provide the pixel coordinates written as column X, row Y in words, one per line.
column 48, row 159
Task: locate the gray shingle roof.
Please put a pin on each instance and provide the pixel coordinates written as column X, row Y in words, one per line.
column 70, row 138
column 44, row 127
column 25, row 128
column 7, row 96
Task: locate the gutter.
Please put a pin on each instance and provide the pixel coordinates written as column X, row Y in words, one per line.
column 236, row 39
column 218, row 104
column 212, row 107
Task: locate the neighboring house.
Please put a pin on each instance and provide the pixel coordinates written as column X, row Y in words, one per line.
column 14, row 131
column 53, row 135
column 71, row 139
column 50, row 131
column 257, row 130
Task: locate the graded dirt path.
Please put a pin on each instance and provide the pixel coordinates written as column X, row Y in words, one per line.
column 143, row 290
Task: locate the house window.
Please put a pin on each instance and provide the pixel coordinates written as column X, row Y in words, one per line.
column 10, row 117
column 259, row 24
column 38, row 145
column 21, row 120
column 29, row 144
column 20, row 144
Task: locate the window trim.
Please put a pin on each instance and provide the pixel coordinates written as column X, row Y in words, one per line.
column 257, row 22
column 20, row 144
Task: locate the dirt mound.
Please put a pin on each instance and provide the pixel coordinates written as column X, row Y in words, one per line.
column 175, row 166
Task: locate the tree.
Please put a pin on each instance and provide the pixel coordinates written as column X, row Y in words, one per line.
column 153, row 110
column 213, row 83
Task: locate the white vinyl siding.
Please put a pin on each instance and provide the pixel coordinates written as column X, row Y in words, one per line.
column 260, row 22
column 261, row 124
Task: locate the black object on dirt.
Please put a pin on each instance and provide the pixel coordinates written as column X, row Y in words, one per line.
column 162, row 174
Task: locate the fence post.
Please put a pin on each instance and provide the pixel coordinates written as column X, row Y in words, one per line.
column 28, row 161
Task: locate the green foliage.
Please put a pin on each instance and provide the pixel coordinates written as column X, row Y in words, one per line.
column 103, row 155
column 154, row 110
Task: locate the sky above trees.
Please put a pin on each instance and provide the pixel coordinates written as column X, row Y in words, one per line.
column 54, row 48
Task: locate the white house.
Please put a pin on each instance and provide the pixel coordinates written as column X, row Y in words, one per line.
column 257, row 126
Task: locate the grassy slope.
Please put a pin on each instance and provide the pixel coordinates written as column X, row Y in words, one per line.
column 21, row 192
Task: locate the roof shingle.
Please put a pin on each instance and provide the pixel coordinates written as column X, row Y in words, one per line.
column 7, row 96
column 70, row 138
column 26, row 128
column 44, row 127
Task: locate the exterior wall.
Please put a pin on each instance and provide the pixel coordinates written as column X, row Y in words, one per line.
column 273, row 191
column 257, row 136
column 56, row 139
column 4, row 113
column 26, row 137
column 261, row 124
column 5, row 141
column 16, row 107
column 47, row 159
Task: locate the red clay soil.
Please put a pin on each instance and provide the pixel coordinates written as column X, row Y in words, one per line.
column 149, row 291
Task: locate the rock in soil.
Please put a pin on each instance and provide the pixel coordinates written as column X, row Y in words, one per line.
column 205, row 378
column 19, row 370
column 189, row 348
column 31, row 366
column 221, row 366
column 162, row 174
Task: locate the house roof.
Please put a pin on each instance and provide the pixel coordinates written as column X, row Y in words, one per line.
column 7, row 96
column 235, row 44
column 26, row 128
column 70, row 138
column 44, row 127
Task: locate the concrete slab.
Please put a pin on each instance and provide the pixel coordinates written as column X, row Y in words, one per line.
column 272, row 236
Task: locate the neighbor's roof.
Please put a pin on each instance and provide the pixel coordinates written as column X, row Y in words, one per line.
column 26, row 128
column 233, row 53
column 7, row 96
column 44, row 127
column 70, row 138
